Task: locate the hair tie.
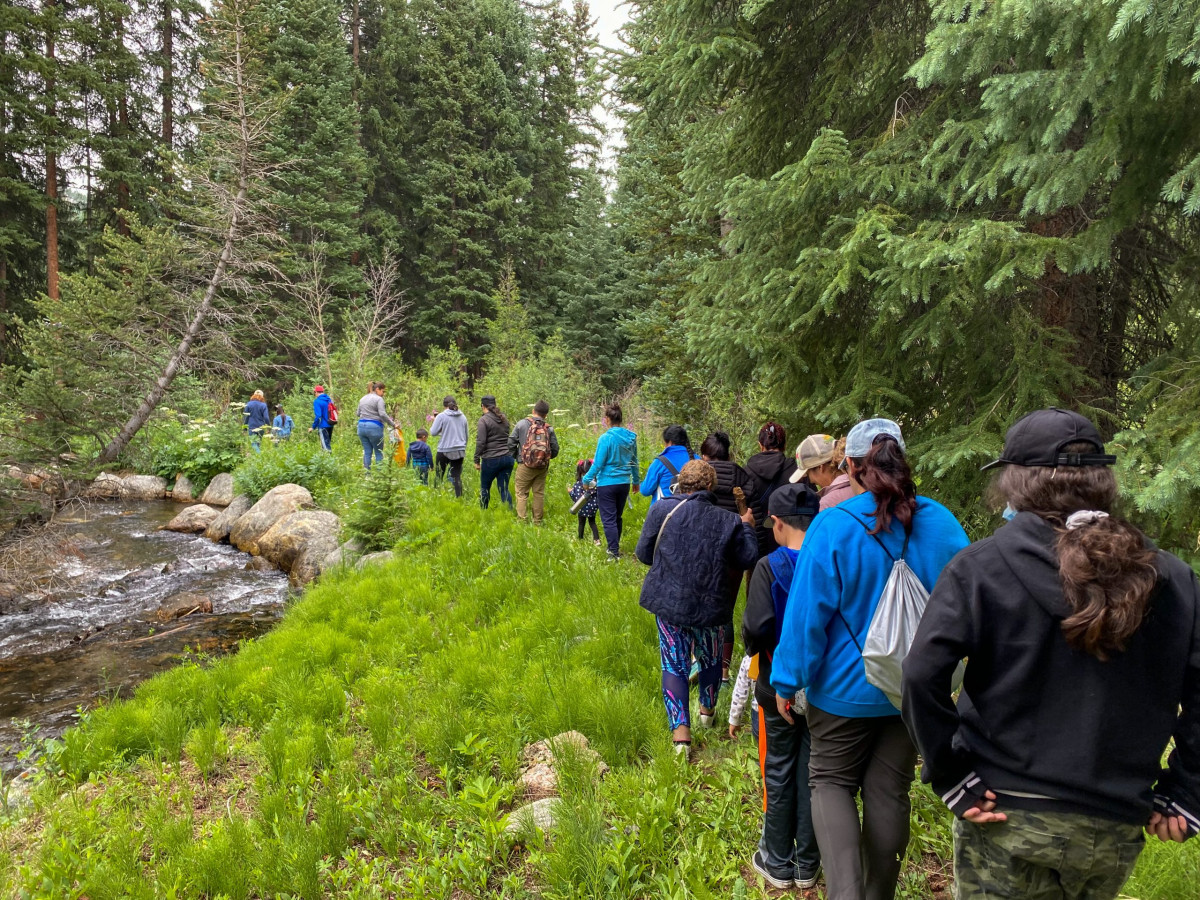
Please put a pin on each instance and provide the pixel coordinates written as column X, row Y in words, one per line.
column 1084, row 517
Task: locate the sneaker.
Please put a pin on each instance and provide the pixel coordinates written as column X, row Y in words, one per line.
column 774, row 881
column 682, row 749
column 804, row 882
column 707, row 719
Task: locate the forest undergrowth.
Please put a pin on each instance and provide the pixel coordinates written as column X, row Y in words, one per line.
column 369, row 746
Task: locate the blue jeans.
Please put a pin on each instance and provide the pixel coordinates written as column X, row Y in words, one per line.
column 371, row 435
column 496, row 470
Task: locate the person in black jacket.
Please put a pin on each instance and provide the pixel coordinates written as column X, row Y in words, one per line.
column 1083, row 649
column 770, row 467
column 492, row 458
column 689, row 543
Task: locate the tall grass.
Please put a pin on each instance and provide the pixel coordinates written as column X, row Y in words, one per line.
column 369, row 746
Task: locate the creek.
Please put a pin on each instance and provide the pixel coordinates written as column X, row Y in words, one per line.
column 101, row 618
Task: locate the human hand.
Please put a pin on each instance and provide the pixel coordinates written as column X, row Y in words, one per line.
column 733, row 730
column 785, row 708
column 983, row 812
column 748, row 518
column 477, row 469
column 1167, row 828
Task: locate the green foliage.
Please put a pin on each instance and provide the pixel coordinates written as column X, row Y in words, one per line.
column 376, row 517
column 197, row 448
column 301, row 462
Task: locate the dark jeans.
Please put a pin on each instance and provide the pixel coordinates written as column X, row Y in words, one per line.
column 497, row 470
column 441, row 463
column 611, row 500
column 423, row 473
column 590, row 520
column 876, row 757
column 789, row 844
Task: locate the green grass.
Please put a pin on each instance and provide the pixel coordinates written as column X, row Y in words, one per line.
column 369, row 746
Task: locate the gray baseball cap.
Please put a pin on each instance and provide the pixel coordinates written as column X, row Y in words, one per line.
column 863, row 435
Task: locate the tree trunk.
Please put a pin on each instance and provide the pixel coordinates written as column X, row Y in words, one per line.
column 168, row 78
column 122, row 133
column 3, row 309
column 51, row 166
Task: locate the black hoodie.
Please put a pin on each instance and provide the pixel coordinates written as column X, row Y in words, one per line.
column 770, row 469
column 1043, row 725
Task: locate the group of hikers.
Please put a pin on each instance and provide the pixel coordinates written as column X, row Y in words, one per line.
column 863, row 601
column 1081, row 642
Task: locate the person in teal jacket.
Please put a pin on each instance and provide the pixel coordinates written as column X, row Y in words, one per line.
column 614, row 471
column 859, row 742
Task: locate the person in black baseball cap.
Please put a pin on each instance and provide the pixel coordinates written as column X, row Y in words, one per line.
column 787, row 855
column 1083, row 643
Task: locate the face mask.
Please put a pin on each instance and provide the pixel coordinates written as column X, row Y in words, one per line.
column 1009, row 513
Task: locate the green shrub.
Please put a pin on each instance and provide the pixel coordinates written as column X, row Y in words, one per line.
column 290, row 462
column 197, row 448
column 376, row 517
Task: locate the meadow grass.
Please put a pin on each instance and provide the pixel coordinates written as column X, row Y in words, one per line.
column 370, row 745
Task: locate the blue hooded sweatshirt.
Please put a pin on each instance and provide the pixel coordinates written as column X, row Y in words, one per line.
column 840, row 573
column 616, row 460
column 321, row 411
column 659, row 476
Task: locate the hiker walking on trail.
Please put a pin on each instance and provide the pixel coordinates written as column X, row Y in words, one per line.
column 664, row 469
column 787, row 854
column 257, row 419
column 688, row 542
column 281, row 425
column 586, row 512
column 819, row 461
column 372, row 414
column 533, row 443
column 419, row 456
column 770, row 468
column 323, row 418
column 450, row 428
column 1084, row 664
column 614, row 471
column 492, row 459
column 859, row 743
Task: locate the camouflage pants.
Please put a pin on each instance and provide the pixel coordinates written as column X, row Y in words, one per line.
column 1044, row 856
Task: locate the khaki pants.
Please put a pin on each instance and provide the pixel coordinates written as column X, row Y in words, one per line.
column 530, row 481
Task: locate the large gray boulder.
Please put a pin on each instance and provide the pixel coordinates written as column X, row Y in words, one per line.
column 193, row 520
column 219, row 491
column 274, row 505
column 288, row 537
column 375, row 559
column 183, row 492
column 105, row 487
column 344, row 555
column 310, row 563
column 143, row 487
column 223, row 524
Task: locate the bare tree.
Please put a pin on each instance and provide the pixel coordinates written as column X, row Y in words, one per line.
column 377, row 318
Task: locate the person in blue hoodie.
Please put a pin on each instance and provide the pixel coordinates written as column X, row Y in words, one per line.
column 859, row 742
column 614, row 470
column 321, row 423
column 677, row 452
column 257, row 418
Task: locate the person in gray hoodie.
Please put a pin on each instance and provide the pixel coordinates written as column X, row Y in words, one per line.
column 450, row 428
column 492, row 458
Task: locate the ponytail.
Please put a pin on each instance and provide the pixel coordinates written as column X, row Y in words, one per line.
column 772, row 437
column 885, row 473
column 1105, row 565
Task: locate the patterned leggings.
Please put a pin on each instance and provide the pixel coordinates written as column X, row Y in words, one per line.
column 677, row 644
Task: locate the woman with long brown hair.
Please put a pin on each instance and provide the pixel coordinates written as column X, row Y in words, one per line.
column 1083, row 649
column 859, row 743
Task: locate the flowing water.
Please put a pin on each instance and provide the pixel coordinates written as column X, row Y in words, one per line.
column 102, row 618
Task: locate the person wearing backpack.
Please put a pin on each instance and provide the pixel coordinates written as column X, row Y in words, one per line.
column 787, row 854
column 662, row 476
column 1083, row 642
column 859, row 742
column 533, row 443
column 688, row 542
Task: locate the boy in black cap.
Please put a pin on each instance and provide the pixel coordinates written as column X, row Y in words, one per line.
column 787, row 855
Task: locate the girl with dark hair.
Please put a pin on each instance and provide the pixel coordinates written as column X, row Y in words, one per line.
column 715, row 452
column 372, row 413
column 613, row 472
column 492, row 458
column 859, row 743
column 587, row 513
column 1084, row 663
column 677, row 452
column 770, row 468
column 450, row 428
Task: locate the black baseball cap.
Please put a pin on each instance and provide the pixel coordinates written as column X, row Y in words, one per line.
column 1038, row 438
column 793, row 500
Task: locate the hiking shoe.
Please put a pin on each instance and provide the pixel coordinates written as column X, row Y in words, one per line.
column 682, row 749
column 781, row 882
column 804, row 882
column 707, row 719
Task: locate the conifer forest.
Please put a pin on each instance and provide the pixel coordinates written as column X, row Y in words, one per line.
column 810, row 212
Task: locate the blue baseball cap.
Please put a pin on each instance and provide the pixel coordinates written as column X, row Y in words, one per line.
column 864, row 434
